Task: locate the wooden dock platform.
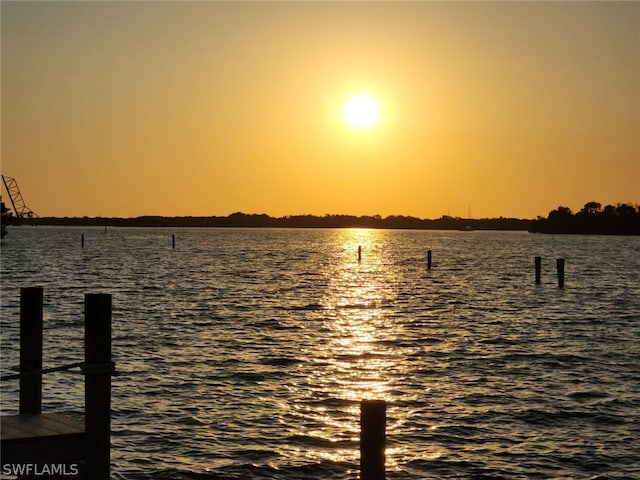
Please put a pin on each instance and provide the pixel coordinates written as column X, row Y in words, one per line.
column 76, row 447
column 47, row 437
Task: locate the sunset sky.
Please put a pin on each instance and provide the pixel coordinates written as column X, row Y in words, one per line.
column 208, row 108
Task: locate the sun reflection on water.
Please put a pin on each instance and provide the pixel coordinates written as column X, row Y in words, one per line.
column 355, row 359
column 361, row 353
column 360, row 289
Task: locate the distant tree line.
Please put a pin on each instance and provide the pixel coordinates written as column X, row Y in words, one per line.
column 239, row 219
column 620, row 219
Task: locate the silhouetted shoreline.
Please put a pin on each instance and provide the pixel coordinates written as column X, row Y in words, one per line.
column 295, row 221
column 621, row 219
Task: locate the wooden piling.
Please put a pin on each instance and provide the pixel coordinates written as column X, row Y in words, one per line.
column 31, row 350
column 428, row 259
column 359, row 253
column 98, row 370
column 82, row 240
column 373, row 421
column 173, row 241
column 538, row 263
column 560, row 268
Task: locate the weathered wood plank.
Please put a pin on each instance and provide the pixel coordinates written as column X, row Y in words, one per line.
column 43, row 438
column 62, row 424
column 8, row 430
column 42, row 425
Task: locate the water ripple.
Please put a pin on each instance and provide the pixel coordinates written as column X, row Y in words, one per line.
column 245, row 353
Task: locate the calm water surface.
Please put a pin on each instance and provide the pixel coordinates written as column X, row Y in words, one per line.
column 244, row 354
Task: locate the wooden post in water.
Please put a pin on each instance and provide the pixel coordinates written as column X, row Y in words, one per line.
column 359, row 253
column 82, row 240
column 373, row 419
column 428, row 259
column 538, row 262
column 173, row 241
column 97, row 394
column 31, row 350
column 560, row 268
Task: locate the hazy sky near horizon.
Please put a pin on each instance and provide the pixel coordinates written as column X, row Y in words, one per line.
column 208, row 108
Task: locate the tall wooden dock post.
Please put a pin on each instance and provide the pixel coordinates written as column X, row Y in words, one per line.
column 538, row 263
column 82, row 240
column 98, row 370
column 359, row 253
column 560, row 268
column 428, row 259
column 173, row 241
column 31, row 350
column 373, row 419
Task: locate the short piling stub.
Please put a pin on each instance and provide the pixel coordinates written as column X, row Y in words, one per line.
column 173, row 241
column 428, row 259
column 359, row 253
column 538, row 264
column 373, row 419
column 560, row 268
column 82, row 240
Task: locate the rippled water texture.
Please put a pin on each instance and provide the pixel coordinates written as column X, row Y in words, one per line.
column 244, row 353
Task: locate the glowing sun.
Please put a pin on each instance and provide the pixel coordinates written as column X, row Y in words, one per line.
column 361, row 112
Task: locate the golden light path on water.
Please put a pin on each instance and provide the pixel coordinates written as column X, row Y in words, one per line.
column 358, row 292
column 357, row 358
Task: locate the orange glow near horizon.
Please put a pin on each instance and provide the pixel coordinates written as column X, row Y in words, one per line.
column 208, row 108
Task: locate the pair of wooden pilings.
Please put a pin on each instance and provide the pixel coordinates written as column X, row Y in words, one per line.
column 97, row 368
column 559, row 269
column 538, row 266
